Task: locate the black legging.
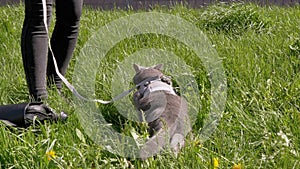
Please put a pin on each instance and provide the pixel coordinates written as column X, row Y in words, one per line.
column 38, row 62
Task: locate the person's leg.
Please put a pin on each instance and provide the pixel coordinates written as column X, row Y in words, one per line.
column 34, row 46
column 64, row 37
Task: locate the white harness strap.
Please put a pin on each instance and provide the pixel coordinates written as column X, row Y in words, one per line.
column 67, row 83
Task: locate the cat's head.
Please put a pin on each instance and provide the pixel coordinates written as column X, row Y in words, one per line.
column 142, row 73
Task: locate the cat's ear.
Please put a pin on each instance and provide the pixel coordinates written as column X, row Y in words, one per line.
column 137, row 68
column 158, row 67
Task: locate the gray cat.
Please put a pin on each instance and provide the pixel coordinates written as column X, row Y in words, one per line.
column 165, row 112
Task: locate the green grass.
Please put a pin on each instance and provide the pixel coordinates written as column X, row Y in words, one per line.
column 260, row 49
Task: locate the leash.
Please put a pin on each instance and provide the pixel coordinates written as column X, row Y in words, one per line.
column 70, row 86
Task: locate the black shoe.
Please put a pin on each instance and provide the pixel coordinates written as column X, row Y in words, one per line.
column 25, row 114
column 41, row 112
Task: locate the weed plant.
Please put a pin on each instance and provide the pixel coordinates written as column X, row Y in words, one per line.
column 260, row 51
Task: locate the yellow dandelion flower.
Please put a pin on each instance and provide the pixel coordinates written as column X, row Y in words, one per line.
column 51, row 155
column 198, row 143
column 237, row 166
column 216, row 163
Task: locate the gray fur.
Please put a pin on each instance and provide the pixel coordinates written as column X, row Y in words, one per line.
column 165, row 112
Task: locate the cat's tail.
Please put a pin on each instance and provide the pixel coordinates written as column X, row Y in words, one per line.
column 172, row 137
column 157, row 142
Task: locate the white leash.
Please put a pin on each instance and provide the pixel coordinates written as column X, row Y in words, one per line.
column 69, row 85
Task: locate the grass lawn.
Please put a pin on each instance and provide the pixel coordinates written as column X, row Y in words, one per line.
column 260, row 52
